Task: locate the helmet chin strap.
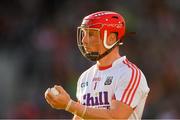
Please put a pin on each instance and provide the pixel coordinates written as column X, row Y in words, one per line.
column 95, row 56
column 105, row 41
column 109, row 47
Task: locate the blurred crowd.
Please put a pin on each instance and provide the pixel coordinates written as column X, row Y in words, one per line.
column 38, row 49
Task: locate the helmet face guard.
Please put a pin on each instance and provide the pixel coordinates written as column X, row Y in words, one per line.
column 85, row 34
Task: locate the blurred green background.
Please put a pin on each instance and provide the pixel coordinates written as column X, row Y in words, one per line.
column 38, row 49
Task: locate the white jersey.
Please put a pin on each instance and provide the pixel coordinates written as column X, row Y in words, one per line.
column 122, row 81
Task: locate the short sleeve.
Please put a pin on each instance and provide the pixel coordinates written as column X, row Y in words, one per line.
column 77, row 91
column 127, row 89
column 78, row 88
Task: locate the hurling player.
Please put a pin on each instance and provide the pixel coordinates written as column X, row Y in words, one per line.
column 113, row 88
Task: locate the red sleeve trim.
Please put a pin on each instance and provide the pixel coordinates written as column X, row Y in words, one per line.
column 130, row 90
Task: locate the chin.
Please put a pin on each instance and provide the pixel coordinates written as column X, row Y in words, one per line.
column 88, row 50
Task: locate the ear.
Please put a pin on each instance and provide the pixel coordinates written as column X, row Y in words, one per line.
column 111, row 38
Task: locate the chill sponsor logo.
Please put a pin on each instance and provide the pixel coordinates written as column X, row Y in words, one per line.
column 108, row 80
column 101, row 98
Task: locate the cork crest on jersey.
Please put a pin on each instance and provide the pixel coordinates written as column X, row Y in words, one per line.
column 108, row 80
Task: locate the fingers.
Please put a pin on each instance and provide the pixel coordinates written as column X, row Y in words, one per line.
column 52, row 104
column 59, row 101
column 50, row 100
column 49, row 97
column 60, row 89
column 46, row 92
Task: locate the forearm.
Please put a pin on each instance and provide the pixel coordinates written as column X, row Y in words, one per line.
column 91, row 113
column 77, row 118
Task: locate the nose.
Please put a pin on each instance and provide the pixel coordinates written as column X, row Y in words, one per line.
column 85, row 40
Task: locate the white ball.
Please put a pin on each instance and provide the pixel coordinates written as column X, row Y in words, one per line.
column 54, row 91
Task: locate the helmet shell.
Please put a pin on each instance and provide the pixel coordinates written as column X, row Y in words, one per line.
column 105, row 20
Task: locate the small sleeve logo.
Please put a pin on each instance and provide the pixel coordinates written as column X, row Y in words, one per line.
column 108, row 80
column 84, row 84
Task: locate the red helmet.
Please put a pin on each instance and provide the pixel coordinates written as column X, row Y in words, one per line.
column 106, row 22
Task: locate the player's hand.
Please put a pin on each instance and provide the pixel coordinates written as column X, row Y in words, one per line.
column 59, row 101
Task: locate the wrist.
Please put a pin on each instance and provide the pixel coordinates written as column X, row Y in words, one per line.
column 84, row 111
column 76, row 108
column 68, row 105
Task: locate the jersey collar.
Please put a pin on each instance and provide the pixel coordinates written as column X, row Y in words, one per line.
column 104, row 67
column 118, row 61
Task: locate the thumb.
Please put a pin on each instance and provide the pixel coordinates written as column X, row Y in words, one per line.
column 60, row 89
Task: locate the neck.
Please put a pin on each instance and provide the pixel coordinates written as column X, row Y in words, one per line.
column 109, row 59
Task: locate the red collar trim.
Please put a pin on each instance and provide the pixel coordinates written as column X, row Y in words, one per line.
column 104, row 67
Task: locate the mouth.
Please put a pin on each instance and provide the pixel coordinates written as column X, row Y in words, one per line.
column 87, row 48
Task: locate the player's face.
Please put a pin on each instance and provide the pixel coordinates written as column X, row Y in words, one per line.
column 91, row 40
